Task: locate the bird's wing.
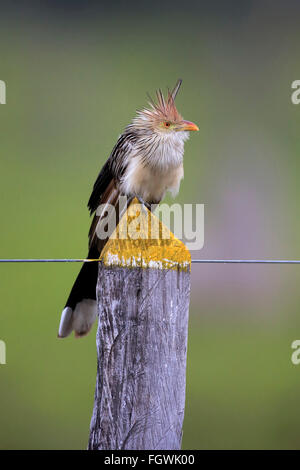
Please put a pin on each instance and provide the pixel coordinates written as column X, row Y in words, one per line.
column 114, row 168
column 106, row 188
column 102, row 182
column 109, row 198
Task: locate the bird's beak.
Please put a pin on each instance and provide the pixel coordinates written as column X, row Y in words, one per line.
column 188, row 126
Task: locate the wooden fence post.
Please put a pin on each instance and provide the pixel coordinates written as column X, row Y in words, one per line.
column 143, row 301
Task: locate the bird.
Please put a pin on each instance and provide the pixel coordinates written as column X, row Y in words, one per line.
column 146, row 162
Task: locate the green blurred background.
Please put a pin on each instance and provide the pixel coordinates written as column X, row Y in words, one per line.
column 75, row 73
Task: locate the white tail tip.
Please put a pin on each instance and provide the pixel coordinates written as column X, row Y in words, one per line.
column 66, row 323
column 80, row 320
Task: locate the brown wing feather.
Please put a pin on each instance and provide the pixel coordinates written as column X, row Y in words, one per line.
column 110, row 196
column 106, row 187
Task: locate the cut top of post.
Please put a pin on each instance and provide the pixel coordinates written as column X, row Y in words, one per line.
column 142, row 240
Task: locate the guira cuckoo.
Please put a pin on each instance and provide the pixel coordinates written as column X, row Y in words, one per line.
column 146, row 162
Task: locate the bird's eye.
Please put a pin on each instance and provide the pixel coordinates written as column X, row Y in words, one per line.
column 167, row 124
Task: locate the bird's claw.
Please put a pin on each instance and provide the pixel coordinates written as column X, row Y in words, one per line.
column 144, row 204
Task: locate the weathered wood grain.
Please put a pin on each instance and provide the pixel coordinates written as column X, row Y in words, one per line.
column 141, row 347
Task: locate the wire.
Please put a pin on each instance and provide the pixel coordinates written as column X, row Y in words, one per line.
column 196, row 261
column 47, row 260
column 247, row 261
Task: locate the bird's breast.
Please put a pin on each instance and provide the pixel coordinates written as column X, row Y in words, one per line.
column 148, row 182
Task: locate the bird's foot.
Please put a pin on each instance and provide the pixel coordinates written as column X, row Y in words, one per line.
column 144, row 203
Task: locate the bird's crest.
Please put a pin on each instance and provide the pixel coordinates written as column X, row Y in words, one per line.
column 163, row 108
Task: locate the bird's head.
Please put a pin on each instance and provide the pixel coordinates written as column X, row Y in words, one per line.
column 162, row 119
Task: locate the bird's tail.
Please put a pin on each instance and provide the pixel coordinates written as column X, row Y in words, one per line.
column 80, row 310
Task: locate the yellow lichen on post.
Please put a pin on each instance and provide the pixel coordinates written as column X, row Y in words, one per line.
column 142, row 240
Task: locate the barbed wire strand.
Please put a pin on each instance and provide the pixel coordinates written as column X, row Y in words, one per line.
column 196, row 261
